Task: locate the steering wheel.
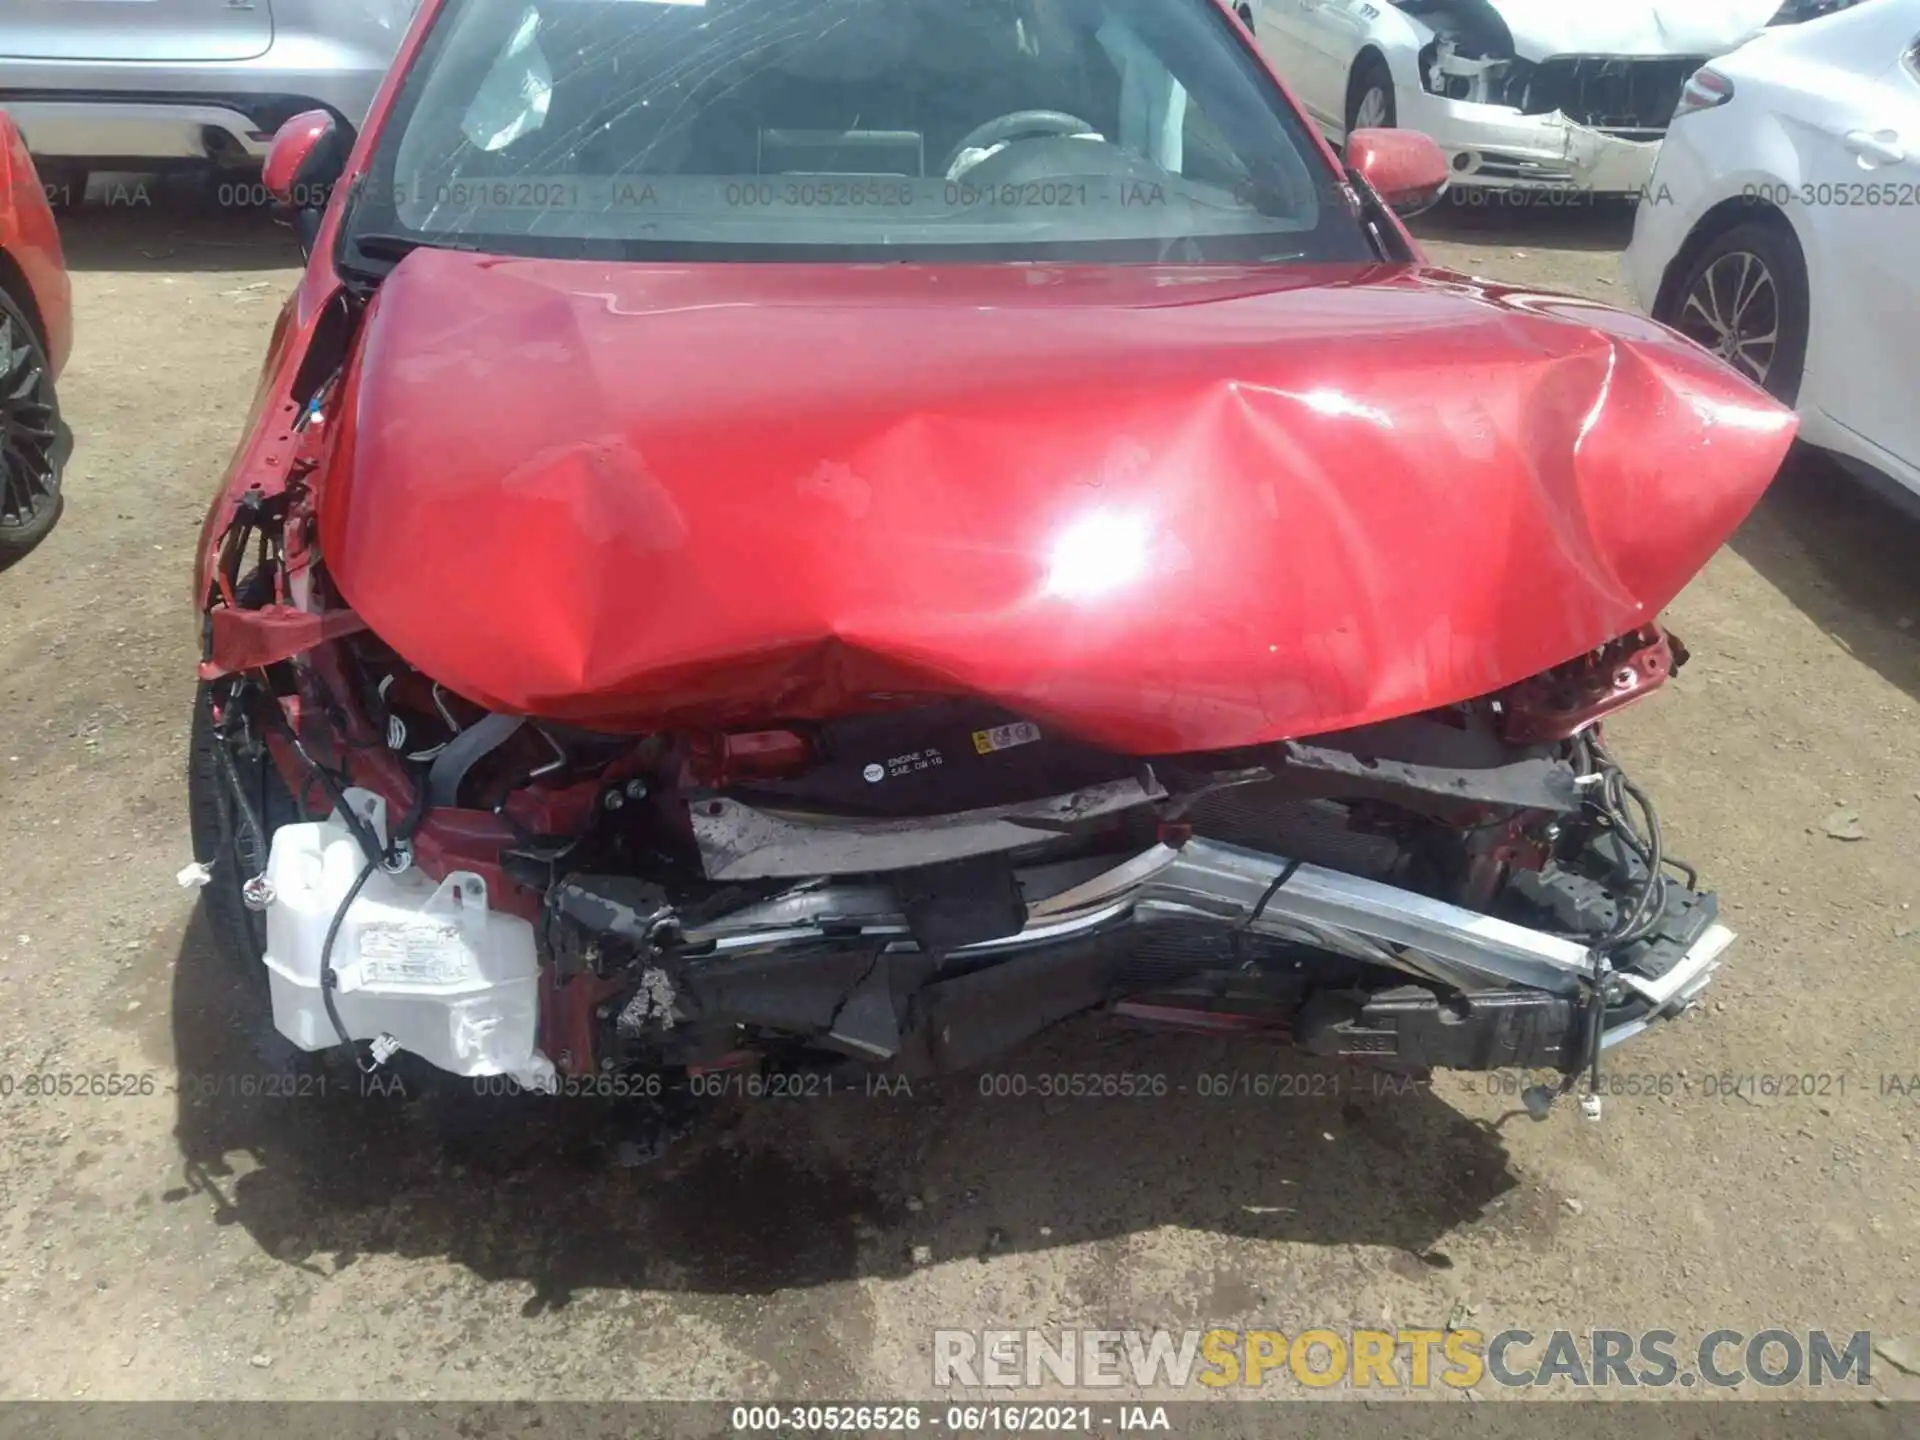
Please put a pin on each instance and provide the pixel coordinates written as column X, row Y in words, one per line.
column 1020, row 125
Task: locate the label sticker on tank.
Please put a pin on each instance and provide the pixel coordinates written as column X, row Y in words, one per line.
column 418, row 952
column 1005, row 737
column 898, row 765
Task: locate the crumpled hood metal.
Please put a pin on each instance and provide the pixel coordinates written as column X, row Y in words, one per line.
column 1542, row 29
column 1163, row 508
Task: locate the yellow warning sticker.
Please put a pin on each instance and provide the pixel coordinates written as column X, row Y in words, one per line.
column 1005, row 737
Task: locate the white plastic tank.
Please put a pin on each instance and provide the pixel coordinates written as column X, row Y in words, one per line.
column 425, row 965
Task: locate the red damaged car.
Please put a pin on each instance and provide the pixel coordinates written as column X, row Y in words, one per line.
column 843, row 533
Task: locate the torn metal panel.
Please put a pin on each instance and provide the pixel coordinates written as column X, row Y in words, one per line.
column 799, row 992
column 964, row 1021
column 651, row 1004
column 743, row 842
column 963, row 903
column 633, row 910
column 1425, row 758
column 1205, row 883
column 867, row 1023
column 1473, row 73
column 252, row 639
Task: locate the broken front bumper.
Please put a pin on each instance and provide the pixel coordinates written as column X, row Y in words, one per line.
column 1496, row 147
column 837, row 963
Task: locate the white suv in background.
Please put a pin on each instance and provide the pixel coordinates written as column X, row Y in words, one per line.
column 1781, row 226
column 140, row 84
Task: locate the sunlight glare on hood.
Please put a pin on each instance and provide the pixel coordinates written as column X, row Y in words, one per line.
column 1326, row 401
column 1761, row 418
column 1097, row 554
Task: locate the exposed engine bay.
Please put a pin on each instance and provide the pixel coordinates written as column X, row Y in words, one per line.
column 914, row 888
column 1631, row 98
column 1520, row 95
column 1476, row 56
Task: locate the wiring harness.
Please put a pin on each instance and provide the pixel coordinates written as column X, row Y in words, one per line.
column 1621, row 808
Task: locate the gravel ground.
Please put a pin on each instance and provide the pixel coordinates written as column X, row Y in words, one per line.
column 186, row 1244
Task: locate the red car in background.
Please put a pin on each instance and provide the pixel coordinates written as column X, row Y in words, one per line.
column 837, row 535
column 36, row 334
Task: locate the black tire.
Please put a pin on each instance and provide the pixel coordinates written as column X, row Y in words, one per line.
column 1755, row 276
column 223, row 840
column 1371, row 77
column 31, row 445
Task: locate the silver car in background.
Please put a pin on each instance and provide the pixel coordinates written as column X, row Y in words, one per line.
column 149, row 84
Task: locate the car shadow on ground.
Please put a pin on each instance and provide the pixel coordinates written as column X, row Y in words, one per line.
column 569, row 1193
column 1571, row 221
column 1846, row 552
column 178, row 224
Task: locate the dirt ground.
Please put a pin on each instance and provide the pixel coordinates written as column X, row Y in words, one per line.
column 196, row 1242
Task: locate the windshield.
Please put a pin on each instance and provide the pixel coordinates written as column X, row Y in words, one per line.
column 849, row 130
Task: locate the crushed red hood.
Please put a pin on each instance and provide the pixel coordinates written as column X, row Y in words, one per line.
column 1163, row 508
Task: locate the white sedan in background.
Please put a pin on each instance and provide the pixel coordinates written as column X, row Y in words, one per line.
column 1566, row 95
column 1781, row 227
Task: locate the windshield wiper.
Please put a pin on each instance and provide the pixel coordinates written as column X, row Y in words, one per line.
column 386, row 251
column 378, row 246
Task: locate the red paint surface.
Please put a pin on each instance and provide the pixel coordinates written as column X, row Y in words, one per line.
column 31, row 240
column 1163, row 508
column 1406, row 168
column 293, row 142
column 255, row 639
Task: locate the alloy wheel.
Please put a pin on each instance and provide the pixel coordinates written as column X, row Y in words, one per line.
column 29, row 480
column 1733, row 310
column 1371, row 112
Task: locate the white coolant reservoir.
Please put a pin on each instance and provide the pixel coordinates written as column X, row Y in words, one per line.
column 425, row 963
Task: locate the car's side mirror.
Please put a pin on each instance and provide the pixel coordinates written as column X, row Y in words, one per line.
column 308, row 154
column 1406, row 169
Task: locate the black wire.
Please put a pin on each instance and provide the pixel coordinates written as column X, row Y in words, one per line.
column 329, row 981
column 1650, row 902
column 1596, row 1024
column 1614, row 802
column 223, row 757
column 1271, row 891
column 1692, row 875
column 1237, row 937
column 376, row 854
column 370, row 845
column 416, row 816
